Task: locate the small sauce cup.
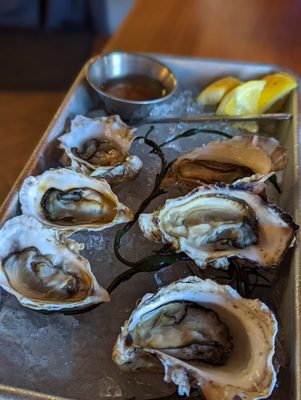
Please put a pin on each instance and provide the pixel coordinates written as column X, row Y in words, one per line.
column 117, row 75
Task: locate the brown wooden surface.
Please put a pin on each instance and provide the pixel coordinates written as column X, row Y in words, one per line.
column 24, row 117
column 267, row 31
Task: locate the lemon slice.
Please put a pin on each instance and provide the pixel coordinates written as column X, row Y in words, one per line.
column 277, row 87
column 213, row 93
column 242, row 100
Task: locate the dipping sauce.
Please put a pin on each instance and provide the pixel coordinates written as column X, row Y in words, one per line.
column 134, row 87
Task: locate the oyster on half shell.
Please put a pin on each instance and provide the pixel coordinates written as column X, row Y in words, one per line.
column 214, row 223
column 45, row 271
column 100, row 148
column 206, row 337
column 70, row 201
column 242, row 158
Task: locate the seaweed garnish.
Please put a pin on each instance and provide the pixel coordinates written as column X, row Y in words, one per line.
column 244, row 277
column 241, row 275
column 153, row 262
column 147, row 264
column 274, row 182
column 193, row 132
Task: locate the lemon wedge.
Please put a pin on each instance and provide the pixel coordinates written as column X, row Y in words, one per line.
column 277, row 87
column 213, row 93
column 242, row 100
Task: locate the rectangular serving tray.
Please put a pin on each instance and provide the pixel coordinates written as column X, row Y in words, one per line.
column 191, row 73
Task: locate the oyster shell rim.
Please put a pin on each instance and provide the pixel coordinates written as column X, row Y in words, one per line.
column 31, row 183
column 131, row 164
column 268, row 147
column 180, row 372
column 97, row 294
column 151, row 229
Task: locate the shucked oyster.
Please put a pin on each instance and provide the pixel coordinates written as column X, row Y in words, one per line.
column 206, row 336
column 67, row 200
column 242, row 158
column 214, row 223
column 100, row 148
column 43, row 271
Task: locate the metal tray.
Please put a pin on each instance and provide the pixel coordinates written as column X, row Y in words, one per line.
column 87, row 376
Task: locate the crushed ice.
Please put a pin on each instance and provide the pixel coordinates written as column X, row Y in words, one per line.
column 75, row 351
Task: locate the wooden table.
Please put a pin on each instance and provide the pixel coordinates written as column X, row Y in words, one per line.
column 264, row 31
column 24, row 117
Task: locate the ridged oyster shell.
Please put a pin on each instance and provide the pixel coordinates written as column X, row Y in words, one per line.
column 100, row 148
column 242, row 158
column 45, row 271
column 214, row 223
column 247, row 374
column 93, row 202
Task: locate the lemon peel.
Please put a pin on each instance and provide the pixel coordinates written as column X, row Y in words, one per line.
column 213, row 93
column 242, row 100
column 277, row 87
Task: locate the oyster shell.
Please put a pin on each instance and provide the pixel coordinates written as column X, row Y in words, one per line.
column 214, row 223
column 100, row 148
column 43, row 271
column 242, row 158
column 158, row 332
column 67, row 200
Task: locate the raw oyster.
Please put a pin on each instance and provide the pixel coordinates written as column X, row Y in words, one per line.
column 214, row 223
column 64, row 199
column 242, row 158
column 236, row 334
column 44, row 271
column 100, row 148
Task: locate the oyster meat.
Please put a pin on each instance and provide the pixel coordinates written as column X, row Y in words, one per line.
column 214, row 223
column 65, row 199
column 45, row 271
column 206, row 337
column 100, row 148
column 242, row 158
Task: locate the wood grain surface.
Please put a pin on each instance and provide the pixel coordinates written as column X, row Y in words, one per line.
column 252, row 30
column 24, row 116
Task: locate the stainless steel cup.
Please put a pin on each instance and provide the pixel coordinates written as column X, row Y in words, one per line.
column 102, row 68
